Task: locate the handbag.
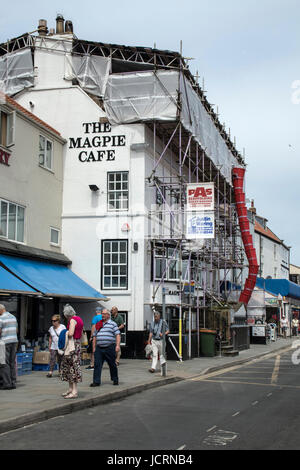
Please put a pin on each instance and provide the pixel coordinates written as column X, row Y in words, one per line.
column 84, row 339
column 70, row 346
column 148, row 351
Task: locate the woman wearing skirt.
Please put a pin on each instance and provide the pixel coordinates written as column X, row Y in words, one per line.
column 70, row 365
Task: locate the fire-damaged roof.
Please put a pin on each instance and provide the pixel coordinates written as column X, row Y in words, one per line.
column 131, row 59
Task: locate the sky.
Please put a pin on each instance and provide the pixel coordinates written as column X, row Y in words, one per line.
column 247, row 52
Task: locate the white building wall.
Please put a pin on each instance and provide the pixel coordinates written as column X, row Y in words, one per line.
column 271, row 257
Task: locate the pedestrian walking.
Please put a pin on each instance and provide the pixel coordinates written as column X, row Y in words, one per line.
column 284, row 325
column 158, row 329
column 70, row 364
column 106, row 344
column 8, row 334
column 295, row 326
column 97, row 317
column 54, row 332
column 116, row 317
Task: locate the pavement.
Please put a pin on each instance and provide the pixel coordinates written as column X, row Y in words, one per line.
column 38, row 398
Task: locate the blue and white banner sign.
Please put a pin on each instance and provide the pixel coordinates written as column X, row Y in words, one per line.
column 200, row 225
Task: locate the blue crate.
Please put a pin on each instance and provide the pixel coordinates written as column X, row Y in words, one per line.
column 19, row 358
column 27, row 357
column 43, row 367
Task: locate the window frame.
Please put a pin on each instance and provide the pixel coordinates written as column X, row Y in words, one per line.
column 7, row 136
column 115, row 190
column 46, row 140
column 17, row 208
column 110, row 264
column 58, row 231
column 165, row 256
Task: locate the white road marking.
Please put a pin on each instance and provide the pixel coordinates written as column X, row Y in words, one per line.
column 269, row 394
column 214, row 427
column 220, row 438
column 254, row 403
column 182, row 447
column 235, row 414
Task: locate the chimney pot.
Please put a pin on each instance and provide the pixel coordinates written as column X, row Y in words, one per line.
column 68, row 26
column 60, row 24
column 42, row 28
column 252, row 208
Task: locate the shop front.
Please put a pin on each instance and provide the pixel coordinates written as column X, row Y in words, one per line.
column 34, row 289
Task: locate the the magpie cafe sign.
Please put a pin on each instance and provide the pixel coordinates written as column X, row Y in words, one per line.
column 4, row 157
column 98, row 143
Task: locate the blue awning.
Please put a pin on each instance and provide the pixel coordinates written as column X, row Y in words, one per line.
column 11, row 284
column 50, row 279
column 279, row 286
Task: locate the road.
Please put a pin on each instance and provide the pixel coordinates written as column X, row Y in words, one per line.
column 253, row 406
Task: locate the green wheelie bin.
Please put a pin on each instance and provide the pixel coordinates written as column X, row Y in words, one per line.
column 207, row 342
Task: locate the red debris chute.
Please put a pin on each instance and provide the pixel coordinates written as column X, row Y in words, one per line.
column 238, row 175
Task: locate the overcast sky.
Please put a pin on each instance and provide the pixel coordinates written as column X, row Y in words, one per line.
column 249, row 55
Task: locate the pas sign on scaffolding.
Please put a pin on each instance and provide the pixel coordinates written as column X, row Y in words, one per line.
column 200, row 217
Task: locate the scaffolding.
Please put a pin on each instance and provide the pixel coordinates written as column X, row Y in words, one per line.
column 211, row 266
column 207, row 269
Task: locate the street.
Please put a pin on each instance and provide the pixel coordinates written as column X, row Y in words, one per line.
column 252, row 406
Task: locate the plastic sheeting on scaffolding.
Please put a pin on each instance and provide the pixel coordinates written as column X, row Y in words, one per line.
column 90, row 71
column 16, row 71
column 196, row 119
column 142, row 96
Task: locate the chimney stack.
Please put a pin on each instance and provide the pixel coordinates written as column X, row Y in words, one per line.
column 252, row 208
column 42, row 28
column 60, row 24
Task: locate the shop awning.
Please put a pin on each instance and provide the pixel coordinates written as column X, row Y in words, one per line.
column 50, row 279
column 11, row 284
column 279, row 286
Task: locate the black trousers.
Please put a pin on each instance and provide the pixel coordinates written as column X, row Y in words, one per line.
column 8, row 371
column 109, row 355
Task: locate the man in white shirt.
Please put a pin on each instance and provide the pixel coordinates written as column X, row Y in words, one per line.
column 8, row 333
column 284, row 325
